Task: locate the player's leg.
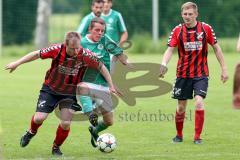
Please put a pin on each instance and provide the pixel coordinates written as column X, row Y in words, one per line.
column 64, row 126
column 87, row 108
column 106, row 122
column 85, row 94
column 103, row 96
column 36, row 122
column 236, row 88
column 113, row 63
column 45, row 105
column 102, row 125
column 182, row 91
column 179, row 120
column 200, row 91
column 96, row 91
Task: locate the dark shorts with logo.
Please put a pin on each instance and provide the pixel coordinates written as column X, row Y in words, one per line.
column 185, row 87
column 48, row 100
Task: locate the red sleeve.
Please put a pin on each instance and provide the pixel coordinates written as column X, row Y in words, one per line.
column 211, row 37
column 90, row 59
column 173, row 38
column 50, row 52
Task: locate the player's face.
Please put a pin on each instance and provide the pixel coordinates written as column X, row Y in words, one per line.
column 97, row 32
column 189, row 16
column 97, row 9
column 107, row 6
column 73, row 47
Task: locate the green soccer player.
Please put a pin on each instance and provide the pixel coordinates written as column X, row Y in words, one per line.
column 97, row 8
column 99, row 43
column 116, row 28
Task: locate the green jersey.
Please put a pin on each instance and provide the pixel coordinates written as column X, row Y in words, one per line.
column 115, row 24
column 103, row 48
column 83, row 27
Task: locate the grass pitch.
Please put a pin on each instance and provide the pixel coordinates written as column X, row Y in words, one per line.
column 138, row 135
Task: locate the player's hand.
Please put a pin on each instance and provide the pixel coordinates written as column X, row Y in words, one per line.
column 162, row 70
column 116, row 91
column 130, row 66
column 11, row 66
column 224, row 76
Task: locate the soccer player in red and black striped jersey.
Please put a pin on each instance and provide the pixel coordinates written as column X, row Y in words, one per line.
column 192, row 39
column 69, row 61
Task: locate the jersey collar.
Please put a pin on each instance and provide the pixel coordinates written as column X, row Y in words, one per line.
column 109, row 13
column 93, row 14
column 89, row 40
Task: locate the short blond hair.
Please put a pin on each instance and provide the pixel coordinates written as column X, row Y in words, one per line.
column 69, row 36
column 189, row 5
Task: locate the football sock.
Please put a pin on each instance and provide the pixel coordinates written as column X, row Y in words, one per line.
column 101, row 126
column 179, row 120
column 199, row 120
column 61, row 135
column 34, row 126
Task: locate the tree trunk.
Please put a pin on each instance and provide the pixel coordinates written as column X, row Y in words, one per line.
column 43, row 14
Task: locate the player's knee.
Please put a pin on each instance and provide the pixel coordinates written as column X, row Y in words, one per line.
column 108, row 122
column 65, row 124
column 199, row 105
column 82, row 88
column 181, row 108
column 39, row 119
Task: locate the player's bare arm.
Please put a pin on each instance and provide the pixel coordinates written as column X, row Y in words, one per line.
column 124, row 37
column 238, row 44
column 166, row 58
column 27, row 58
column 218, row 52
column 104, row 71
column 124, row 60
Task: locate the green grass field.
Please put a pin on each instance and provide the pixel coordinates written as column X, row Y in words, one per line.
column 137, row 138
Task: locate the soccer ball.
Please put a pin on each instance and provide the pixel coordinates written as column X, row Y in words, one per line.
column 106, row 143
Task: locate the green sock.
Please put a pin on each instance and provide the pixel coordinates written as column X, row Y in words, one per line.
column 101, row 126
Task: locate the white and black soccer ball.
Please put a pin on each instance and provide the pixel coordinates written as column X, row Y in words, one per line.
column 106, row 143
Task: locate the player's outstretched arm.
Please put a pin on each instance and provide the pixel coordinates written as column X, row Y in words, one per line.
column 123, row 59
column 238, row 44
column 124, row 37
column 218, row 52
column 166, row 58
column 27, row 58
column 104, row 71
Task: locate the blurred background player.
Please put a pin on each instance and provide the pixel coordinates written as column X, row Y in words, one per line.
column 69, row 61
column 115, row 26
column 192, row 39
column 97, row 8
column 98, row 42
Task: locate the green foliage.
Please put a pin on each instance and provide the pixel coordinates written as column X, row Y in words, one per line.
column 57, row 28
column 69, row 6
column 17, row 50
column 143, row 44
column 223, row 15
column 19, row 21
column 136, row 14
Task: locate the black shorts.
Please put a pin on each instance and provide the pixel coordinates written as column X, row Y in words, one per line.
column 48, row 100
column 184, row 87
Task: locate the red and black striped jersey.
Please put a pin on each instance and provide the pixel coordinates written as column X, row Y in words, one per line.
column 192, row 46
column 66, row 72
